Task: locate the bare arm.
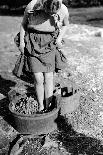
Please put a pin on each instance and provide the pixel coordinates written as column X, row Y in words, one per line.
column 31, row 5
column 22, row 30
column 22, row 43
column 63, row 28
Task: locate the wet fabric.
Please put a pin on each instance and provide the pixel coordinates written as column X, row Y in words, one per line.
column 44, row 53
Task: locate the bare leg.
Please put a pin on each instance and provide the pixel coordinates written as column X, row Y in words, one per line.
column 48, row 86
column 39, row 84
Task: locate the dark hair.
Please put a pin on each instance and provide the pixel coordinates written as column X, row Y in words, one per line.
column 38, row 5
column 52, row 6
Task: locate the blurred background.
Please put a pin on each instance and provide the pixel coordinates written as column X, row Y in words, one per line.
column 14, row 4
column 89, row 12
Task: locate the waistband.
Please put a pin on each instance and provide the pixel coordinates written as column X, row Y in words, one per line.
column 32, row 30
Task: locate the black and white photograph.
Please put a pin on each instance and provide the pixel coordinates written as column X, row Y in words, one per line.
column 51, row 77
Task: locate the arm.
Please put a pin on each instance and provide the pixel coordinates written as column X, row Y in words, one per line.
column 22, row 43
column 31, row 5
column 29, row 9
column 63, row 28
column 22, row 30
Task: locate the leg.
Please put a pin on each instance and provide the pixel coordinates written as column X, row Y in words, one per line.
column 39, row 84
column 48, row 86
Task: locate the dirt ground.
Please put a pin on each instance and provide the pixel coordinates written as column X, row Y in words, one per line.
column 84, row 52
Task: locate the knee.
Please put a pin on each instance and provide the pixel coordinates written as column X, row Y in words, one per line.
column 48, row 78
column 39, row 79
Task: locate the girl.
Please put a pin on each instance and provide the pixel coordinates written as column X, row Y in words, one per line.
column 42, row 29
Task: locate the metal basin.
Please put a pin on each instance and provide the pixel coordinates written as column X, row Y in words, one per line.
column 34, row 124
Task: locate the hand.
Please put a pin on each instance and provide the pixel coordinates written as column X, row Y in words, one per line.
column 18, row 147
column 59, row 42
column 30, row 11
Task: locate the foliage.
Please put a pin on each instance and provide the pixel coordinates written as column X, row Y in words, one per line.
column 16, row 3
column 68, row 3
column 82, row 3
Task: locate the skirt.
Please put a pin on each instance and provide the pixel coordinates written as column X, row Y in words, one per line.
column 41, row 52
column 45, row 56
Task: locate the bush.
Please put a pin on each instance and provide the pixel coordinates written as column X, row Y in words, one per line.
column 68, row 3
column 82, row 3
column 14, row 3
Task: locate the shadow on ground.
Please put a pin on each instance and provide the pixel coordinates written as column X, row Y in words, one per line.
column 5, row 85
column 75, row 143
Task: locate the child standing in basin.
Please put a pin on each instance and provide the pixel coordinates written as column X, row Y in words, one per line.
column 42, row 29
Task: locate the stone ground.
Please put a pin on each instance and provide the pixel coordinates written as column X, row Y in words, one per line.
column 84, row 53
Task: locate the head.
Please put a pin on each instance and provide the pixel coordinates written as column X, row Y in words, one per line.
column 52, row 6
column 38, row 5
